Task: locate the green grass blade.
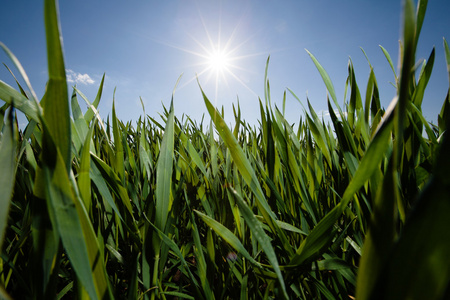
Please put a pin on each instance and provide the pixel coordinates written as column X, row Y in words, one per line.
column 420, row 16
column 11, row 96
column 228, row 236
column 8, row 142
column 425, row 240
column 55, row 102
column 447, row 58
column 178, row 295
column 379, row 240
column 241, row 162
column 118, row 147
column 164, row 170
column 95, row 112
column 355, row 102
column 325, row 77
column 84, row 179
column 261, row 237
column 266, row 84
column 369, row 95
column 144, row 158
column 404, row 96
column 22, row 91
column 79, row 121
column 202, row 268
column 193, row 154
column 423, row 81
column 318, row 133
column 113, row 181
column 91, row 112
column 100, row 182
column 75, row 229
column 388, row 58
column 319, row 237
column 444, row 114
column 21, row 70
column 174, row 247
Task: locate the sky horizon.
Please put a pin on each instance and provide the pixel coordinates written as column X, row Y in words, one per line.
column 144, row 47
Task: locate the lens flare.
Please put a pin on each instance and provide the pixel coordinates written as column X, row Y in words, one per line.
column 218, row 61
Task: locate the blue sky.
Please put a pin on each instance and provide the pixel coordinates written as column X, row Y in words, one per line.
column 144, row 46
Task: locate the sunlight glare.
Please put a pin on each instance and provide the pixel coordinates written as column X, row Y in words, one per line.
column 218, row 61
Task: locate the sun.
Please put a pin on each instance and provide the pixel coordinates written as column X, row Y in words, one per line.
column 218, row 61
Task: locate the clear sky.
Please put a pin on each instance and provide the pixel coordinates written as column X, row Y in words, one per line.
column 144, row 46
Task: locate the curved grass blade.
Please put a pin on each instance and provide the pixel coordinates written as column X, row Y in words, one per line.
column 21, row 70
column 423, row 81
column 325, row 77
column 178, row 295
column 55, row 103
column 246, row 170
column 8, row 144
column 164, row 170
column 228, row 236
column 447, row 58
column 113, row 180
column 91, row 111
column 95, row 112
column 379, row 240
column 29, row 108
column 261, row 237
column 420, row 16
column 388, row 57
column 81, row 127
column 444, row 114
column 100, row 183
column 118, row 147
column 22, row 91
column 202, row 268
column 319, row 237
column 76, row 232
column 84, row 179
column 172, row 245
column 425, row 241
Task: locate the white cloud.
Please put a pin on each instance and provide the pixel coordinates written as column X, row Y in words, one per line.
column 78, row 78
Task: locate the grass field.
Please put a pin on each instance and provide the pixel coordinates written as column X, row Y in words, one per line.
column 94, row 208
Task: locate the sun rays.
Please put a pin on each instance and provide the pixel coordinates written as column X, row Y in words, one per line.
column 218, row 57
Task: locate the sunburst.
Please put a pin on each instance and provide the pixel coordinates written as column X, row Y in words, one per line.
column 218, row 60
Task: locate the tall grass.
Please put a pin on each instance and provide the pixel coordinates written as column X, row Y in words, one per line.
column 97, row 208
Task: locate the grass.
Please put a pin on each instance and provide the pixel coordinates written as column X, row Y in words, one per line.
column 97, row 208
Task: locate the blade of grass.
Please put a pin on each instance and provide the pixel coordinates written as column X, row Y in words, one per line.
column 21, row 70
column 261, row 237
column 118, row 147
column 246, row 170
column 10, row 96
column 379, row 240
column 55, row 103
column 7, row 165
column 84, row 179
column 75, row 229
column 91, row 112
column 326, row 78
column 319, row 237
column 388, row 58
column 228, row 236
column 164, row 170
column 425, row 240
